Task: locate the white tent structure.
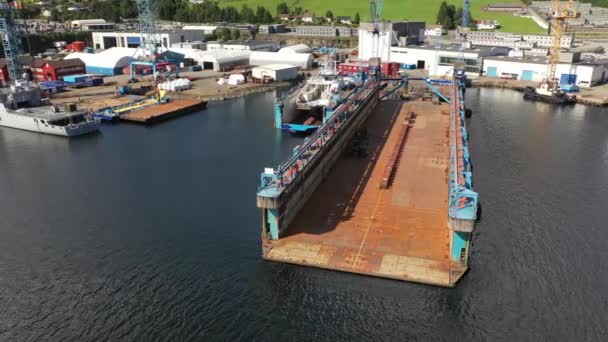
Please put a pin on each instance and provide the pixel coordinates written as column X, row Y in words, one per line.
column 298, row 48
column 108, row 62
column 217, row 60
column 301, row 60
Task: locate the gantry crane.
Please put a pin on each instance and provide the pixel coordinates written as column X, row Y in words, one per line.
column 559, row 14
column 11, row 42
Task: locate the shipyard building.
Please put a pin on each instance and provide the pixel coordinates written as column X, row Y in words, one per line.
column 390, row 34
column 45, row 69
column 584, row 73
column 439, row 60
column 106, row 40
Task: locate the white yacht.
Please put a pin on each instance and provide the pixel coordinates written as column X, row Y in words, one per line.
column 319, row 90
column 49, row 120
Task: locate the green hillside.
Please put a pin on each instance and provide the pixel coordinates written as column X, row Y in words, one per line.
column 397, row 10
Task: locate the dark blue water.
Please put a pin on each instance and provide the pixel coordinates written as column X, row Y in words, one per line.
column 141, row 234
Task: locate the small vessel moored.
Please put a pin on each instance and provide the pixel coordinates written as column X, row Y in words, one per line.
column 545, row 93
column 49, row 120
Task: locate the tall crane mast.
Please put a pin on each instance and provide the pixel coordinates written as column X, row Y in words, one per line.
column 375, row 7
column 147, row 10
column 466, row 8
column 11, row 42
column 559, row 14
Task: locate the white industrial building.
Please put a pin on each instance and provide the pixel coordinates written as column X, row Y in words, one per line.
column 298, row 48
column 513, row 40
column 583, row 73
column 106, row 40
column 435, row 31
column 378, row 45
column 252, row 45
column 439, row 60
column 206, row 29
column 277, row 72
column 217, row 60
column 301, row 60
column 390, row 34
column 487, row 24
column 198, row 45
column 90, row 24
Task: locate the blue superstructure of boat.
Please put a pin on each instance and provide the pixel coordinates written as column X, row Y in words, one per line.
column 300, row 128
column 107, row 116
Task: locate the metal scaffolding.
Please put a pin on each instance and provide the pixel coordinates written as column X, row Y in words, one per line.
column 11, row 42
column 147, row 10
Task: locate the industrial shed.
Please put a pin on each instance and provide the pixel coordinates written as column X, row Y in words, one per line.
column 301, row 60
column 581, row 73
column 277, row 72
column 217, row 60
column 298, row 48
column 109, row 62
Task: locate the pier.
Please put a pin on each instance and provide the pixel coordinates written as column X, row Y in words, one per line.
column 405, row 211
column 164, row 111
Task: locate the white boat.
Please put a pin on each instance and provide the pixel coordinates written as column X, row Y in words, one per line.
column 320, row 89
column 318, row 92
column 49, row 120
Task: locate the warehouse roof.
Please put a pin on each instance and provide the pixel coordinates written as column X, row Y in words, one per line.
column 110, row 58
column 298, row 48
column 543, row 60
column 454, row 48
column 277, row 67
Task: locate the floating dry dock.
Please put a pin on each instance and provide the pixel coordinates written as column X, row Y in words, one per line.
column 164, row 111
column 406, row 211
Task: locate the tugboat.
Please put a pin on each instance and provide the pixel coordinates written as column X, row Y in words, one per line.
column 547, row 92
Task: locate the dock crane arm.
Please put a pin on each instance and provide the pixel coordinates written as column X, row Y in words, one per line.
column 559, row 14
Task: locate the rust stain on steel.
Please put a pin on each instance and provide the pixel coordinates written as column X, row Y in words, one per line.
column 352, row 225
column 164, row 111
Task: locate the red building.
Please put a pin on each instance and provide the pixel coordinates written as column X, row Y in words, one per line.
column 45, row 69
column 387, row 69
column 3, row 72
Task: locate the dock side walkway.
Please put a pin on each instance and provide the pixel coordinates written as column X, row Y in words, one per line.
column 351, row 224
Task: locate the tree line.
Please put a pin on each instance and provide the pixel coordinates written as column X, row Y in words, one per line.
column 171, row 10
column 210, row 11
column 450, row 17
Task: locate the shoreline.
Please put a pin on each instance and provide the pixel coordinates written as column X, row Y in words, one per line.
column 232, row 95
column 595, row 100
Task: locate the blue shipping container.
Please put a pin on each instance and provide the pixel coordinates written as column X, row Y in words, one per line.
column 103, row 71
column 567, row 79
column 75, row 78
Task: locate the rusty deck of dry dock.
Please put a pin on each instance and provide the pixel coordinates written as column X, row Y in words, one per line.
column 164, row 111
column 351, row 224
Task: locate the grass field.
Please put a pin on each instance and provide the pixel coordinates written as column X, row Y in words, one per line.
column 397, row 10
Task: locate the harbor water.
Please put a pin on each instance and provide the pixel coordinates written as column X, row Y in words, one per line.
column 152, row 233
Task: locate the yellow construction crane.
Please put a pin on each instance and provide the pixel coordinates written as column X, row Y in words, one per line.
column 559, row 14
